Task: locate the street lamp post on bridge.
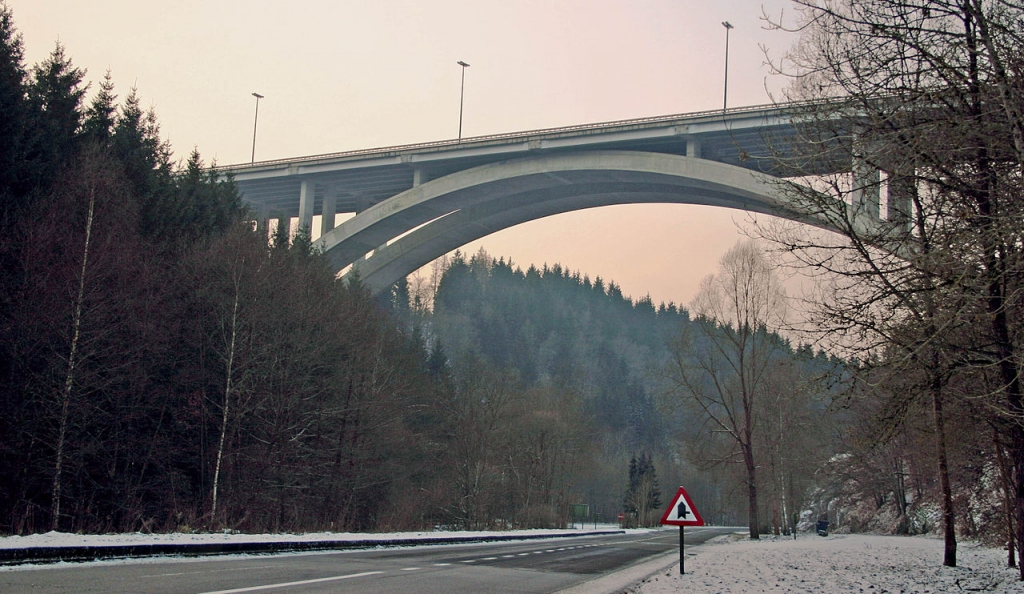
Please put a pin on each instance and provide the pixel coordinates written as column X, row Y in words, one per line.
column 725, row 92
column 254, row 121
column 462, row 93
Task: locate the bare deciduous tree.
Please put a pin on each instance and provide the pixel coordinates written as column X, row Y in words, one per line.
column 914, row 146
column 723, row 362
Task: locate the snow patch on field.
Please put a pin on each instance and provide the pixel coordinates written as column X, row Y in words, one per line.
column 838, row 563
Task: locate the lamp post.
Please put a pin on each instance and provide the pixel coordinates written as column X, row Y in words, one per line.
column 255, row 119
column 462, row 94
column 725, row 92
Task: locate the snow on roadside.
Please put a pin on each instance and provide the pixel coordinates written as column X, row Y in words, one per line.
column 64, row 539
column 838, row 563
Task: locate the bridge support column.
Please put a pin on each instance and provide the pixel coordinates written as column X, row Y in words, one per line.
column 866, row 182
column 328, row 210
column 307, row 192
column 902, row 189
column 418, row 177
column 361, row 203
column 693, row 148
column 262, row 217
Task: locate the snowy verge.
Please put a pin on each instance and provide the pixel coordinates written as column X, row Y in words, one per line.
column 838, row 563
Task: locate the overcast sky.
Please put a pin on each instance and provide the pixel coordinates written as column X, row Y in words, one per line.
column 352, row 74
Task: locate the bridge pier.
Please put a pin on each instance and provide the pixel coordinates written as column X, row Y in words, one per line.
column 865, row 187
column 329, row 209
column 307, row 195
column 693, row 148
column 262, row 217
column 902, row 189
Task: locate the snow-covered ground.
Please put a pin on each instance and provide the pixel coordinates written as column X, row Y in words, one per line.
column 837, row 563
column 64, row 539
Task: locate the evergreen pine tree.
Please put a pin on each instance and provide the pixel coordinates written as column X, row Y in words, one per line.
column 101, row 114
column 437, row 361
column 643, row 496
column 282, row 237
column 203, row 204
column 629, row 499
column 55, row 103
column 12, row 111
column 146, row 160
column 654, row 489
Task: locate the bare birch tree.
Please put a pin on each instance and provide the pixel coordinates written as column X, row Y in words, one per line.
column 722, row 363
column 229, row 283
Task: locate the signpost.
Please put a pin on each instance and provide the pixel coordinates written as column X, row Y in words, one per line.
column 579, row 511
column 682, row 513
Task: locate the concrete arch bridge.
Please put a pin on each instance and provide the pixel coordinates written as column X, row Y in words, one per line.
column 411, row 204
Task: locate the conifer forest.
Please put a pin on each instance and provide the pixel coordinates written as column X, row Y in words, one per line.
column 167, row 363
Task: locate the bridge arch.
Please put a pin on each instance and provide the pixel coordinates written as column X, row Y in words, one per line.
column 446, row 213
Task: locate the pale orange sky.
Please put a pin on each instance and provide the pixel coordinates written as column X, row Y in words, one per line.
column 350, row 74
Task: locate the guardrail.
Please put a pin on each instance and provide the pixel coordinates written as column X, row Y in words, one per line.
column 84, row 553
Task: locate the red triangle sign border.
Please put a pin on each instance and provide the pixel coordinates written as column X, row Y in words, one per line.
column 682, row 494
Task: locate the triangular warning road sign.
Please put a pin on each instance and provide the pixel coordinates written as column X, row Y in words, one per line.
column 681, row 511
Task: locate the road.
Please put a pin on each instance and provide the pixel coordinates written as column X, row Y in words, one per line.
column 539, row 566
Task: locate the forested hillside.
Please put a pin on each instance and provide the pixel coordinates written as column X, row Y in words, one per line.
column 615, row 360
column 558, row 331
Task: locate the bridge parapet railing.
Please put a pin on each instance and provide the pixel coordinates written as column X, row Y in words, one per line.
column 610, row 125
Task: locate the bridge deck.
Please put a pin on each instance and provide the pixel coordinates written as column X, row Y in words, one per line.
column 358, row 179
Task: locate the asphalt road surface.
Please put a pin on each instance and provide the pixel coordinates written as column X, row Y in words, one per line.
column 546, row 565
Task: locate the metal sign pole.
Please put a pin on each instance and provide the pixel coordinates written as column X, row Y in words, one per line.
column 682, row 513
column 682, row 560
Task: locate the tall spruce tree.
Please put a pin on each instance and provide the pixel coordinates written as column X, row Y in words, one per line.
column 643, row 495
column 55, row 100
column 146, row 160
column 13, row 111
column 101, row 115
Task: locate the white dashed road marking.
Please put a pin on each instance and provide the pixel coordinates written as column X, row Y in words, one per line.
column 300, row 583
column 513, row 556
